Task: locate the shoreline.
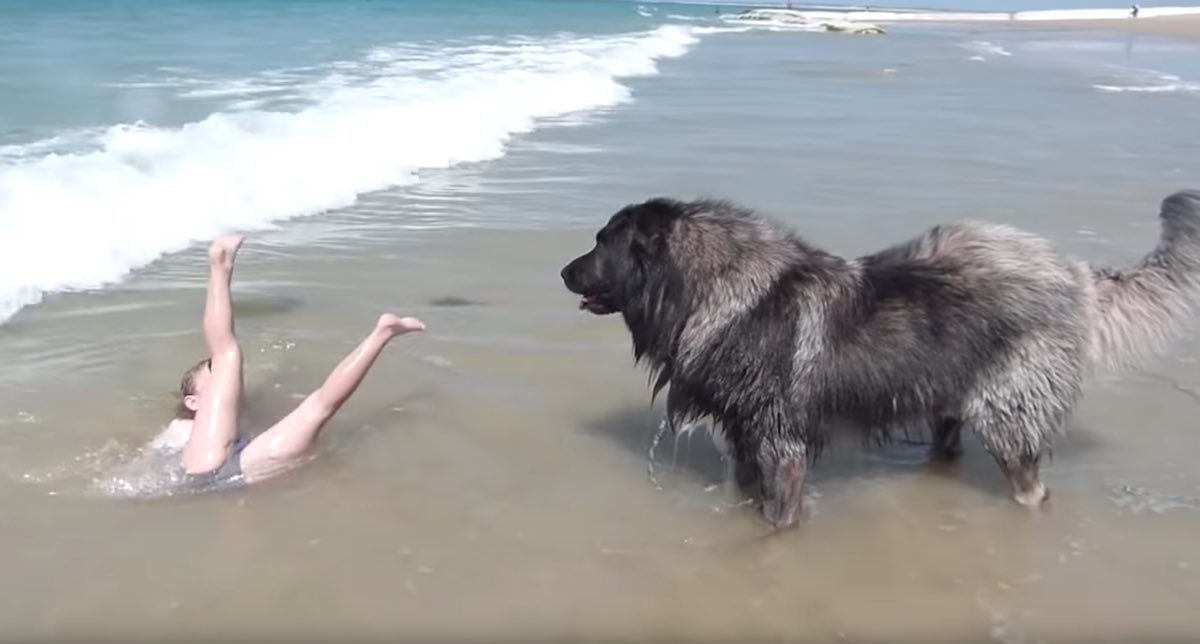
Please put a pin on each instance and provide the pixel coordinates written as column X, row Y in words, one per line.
column 1177, row 27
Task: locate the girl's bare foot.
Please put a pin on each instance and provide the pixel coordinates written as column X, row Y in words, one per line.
column 395, row 325
column 224, row 249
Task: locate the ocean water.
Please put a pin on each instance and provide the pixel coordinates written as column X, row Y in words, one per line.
column 134, row 129
column 489, row 481
column 141, row 127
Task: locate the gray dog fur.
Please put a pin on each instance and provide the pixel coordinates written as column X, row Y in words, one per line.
column 971, row 324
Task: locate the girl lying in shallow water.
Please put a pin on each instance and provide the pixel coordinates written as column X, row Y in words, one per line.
column 206, row 423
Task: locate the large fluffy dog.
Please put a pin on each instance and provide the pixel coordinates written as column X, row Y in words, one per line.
column 970, row 324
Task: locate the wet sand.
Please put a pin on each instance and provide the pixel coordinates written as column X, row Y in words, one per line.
column 1181, row 27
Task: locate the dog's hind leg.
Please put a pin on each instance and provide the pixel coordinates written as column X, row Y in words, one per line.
column 1018, row 462
column 1022, row 474
column 784, row 463
column 947, row 439
column 1017, row 436
column 1019, row 410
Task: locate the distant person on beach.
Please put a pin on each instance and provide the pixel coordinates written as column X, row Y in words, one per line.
column 1135, row 11
column 206, row 420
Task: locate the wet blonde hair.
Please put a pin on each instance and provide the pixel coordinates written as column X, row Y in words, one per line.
column 187, row 387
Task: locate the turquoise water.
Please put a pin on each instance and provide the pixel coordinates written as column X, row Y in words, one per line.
column 79, row 64
column 139, row 128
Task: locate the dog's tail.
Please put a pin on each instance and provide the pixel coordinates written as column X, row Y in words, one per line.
column 1140, row 309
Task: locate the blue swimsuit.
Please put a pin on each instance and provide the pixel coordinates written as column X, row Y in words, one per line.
column 230, row 470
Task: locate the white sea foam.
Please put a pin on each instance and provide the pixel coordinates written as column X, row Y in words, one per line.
column 982, row 49
column 63, row 141
column 86, row 219
column 719, row 30
column 1164, row 88
column 1145, row 81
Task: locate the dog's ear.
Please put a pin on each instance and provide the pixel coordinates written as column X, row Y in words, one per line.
column 652, row 223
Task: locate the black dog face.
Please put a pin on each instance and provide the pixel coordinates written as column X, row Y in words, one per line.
column 615, row 268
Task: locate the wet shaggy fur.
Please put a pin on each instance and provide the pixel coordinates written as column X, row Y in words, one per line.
column 968, row 325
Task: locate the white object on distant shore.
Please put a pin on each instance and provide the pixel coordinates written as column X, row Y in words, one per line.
column 818, row 20
column 856, row 28
column 778, row 16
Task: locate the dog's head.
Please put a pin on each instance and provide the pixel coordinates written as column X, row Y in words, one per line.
column 628, row 248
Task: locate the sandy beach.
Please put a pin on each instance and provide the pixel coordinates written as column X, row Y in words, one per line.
column 1184, row 27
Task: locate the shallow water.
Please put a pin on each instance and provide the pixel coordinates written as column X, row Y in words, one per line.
column 489, row 481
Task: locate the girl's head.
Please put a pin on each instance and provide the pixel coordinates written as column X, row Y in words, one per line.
column 191, row 387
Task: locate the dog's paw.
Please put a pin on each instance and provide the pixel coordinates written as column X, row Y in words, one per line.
column 1034, row 497
column 781, row 516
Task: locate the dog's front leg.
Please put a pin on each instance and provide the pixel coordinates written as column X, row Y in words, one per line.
column 783, row 463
